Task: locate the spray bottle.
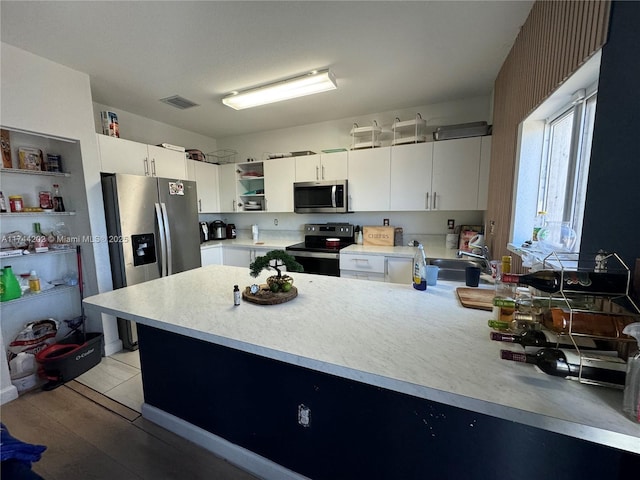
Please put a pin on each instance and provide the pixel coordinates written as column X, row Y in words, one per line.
column 420, row 269
column 631, row 399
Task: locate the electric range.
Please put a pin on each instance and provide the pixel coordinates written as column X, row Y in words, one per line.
column 314, row 255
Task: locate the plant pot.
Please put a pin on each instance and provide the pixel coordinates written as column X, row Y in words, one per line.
column 280, row 284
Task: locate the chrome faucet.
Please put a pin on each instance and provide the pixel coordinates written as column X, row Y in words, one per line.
column 484, row 257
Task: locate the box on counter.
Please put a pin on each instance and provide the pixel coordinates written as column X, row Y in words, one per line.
column 378, row 236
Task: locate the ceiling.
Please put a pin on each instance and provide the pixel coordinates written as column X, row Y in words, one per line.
column 386, row 55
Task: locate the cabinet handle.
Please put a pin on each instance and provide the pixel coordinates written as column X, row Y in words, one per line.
column 145, row 162
column 153, row 167
column 426, row 201
column 323, row 172
column 434, row 200
column 317, row 178
column 233, row 205
column 200, row 205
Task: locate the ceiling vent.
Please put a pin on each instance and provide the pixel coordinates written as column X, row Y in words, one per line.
column 179, row 102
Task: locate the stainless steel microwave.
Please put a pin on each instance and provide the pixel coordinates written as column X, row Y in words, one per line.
column 330, row 196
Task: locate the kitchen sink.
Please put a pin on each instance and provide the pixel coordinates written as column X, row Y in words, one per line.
column 453, row 269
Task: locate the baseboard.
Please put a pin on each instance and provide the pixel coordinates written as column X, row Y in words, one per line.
column 112, row 347
column 7, row 394
column 238, row 456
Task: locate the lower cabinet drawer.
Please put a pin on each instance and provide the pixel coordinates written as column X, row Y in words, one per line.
column 371, row 276
column 362, row 263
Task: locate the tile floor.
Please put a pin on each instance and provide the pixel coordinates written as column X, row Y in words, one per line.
column 117, row 377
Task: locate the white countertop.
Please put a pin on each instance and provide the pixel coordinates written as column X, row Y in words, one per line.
column 433, row 249
column 388, row 335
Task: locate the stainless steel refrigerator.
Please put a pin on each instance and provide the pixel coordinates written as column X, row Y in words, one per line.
column 152, row 224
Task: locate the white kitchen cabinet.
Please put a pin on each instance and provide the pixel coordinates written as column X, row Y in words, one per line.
column 411, row 168
column 362, row 266
column 167, row 163
column 241, row 256
column 118, row 155
column 483, row 181
column 369, row 186
column 206, row 177
column 377, row 268
column 279, row 175
column 325, row 166
column 399, row 270
column 456, row 171
column 227, row 188
column 211, row 255
column 123, row 156
column 250, row 176
column 236, row 257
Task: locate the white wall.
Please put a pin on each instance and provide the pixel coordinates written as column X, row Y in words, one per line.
column 141, row 129
column 335, row 134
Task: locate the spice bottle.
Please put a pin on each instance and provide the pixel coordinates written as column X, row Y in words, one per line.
column 236, row 295
column 3, row 204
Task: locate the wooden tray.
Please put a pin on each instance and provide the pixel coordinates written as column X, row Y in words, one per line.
column 478, row 298
column 267, row 297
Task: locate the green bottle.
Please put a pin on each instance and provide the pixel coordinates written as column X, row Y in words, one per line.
column 9, row 286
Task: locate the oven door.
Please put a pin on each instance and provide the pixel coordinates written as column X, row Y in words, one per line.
column 320, row 197
column 318, row 263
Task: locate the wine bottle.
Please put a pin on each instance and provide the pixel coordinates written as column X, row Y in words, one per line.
column 543, row 338
column 552, row 281
column 599, row 324
column 566, row 363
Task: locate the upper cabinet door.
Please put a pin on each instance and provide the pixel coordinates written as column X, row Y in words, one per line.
column 227, row 187
column 207, row 184
column 369, row 179
column 411, row 167
column 167, row 163
column 307, row 168
column 279, row 175
column 456, row 169
column 334, row 166
column 123, row 156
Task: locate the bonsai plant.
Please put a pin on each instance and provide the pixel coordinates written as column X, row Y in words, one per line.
column 276, row 259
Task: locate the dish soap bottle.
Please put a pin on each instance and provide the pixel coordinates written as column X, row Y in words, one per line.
column 631, row 399
column 420, row 269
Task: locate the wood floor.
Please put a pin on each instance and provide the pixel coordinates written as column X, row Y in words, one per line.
column 90, row 437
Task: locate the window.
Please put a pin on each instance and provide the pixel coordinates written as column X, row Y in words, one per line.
column 552, row 159
column 565, row 162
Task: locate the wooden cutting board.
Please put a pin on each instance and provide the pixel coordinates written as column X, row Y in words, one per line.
column 478, row 298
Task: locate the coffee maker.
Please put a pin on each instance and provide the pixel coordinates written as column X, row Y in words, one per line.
column 204, row 232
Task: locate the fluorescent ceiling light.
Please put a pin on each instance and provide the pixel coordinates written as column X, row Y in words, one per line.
column 314, row 82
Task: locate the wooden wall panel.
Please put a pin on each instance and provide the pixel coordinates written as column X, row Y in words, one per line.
column 556, row 39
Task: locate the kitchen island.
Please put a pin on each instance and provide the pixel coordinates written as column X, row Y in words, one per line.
column 398, row 382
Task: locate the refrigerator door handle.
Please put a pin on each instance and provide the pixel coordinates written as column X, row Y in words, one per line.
column 167, row 232
column 163, row 242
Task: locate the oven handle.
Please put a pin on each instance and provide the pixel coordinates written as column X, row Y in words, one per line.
column 334, row 256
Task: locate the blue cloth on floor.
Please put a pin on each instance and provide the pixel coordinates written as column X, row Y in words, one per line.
column 13, row 449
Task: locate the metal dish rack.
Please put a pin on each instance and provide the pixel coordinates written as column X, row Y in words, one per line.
column 611, row 304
